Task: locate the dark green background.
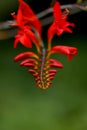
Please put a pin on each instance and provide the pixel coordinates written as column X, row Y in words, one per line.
column 63, row 106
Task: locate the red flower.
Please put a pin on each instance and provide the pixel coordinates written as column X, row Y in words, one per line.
column 56, row 64
column 24, row 55
column 25, row 36
column 24, row 19
column 66, row 50
column 60, row 23
column 28, row 16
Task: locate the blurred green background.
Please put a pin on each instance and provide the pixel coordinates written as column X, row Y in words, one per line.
column 63, row 106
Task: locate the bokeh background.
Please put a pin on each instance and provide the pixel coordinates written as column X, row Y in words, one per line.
column 63, row 106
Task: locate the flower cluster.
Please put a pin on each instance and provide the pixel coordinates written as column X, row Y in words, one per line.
column 40, row 64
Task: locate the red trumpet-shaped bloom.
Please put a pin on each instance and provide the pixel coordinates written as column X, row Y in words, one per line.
column 55, row 63
column 28, row 16
column 25, row 36
column 66, row 50
column 24, row 55
column 24, row 19
column 60, row 23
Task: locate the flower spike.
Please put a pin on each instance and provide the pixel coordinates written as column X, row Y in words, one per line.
column 41, row 65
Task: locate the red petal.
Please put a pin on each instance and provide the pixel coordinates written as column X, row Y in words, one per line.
column 51, row 31
column 60, row 23
column 26, row 41
column 57, row 21
column 68, row 30
column 19, row 18
column 31, row 35
column 17, row 39
column 57, row 11
column 23, row 38
column 29, row 16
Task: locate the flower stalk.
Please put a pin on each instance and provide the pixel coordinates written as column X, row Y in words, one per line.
column 40, row 64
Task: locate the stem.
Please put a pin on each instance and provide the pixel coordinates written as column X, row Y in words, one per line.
column 38, row 37
column 49, row 45
column 42, row 65
column 43, row 53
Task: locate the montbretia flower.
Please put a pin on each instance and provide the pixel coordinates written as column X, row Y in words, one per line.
column 25, row 36
column 23, row 20
column 65, row 50
column 60, row 23
column 40, row 64
column 24, row 55
column 28, row 16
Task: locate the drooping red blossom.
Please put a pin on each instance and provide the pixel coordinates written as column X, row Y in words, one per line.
column 24, row 55
column 54, row 63
column 29, row 65
column 65, row 50
column 24, row 19
column 25, row 36
column 52, row 71
column 28, row 16
column 30, row 60
column 60, row 23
